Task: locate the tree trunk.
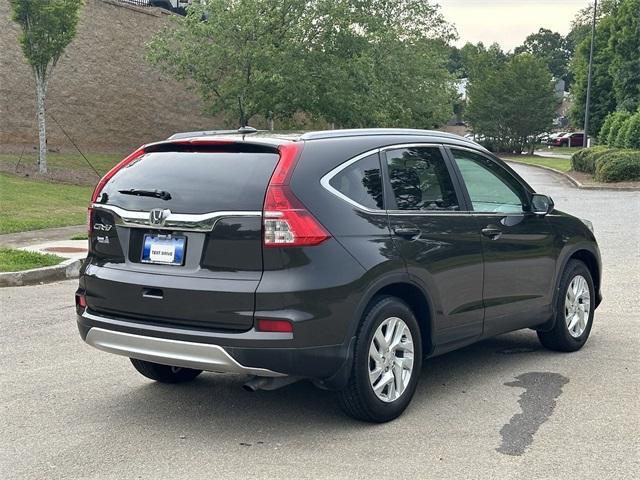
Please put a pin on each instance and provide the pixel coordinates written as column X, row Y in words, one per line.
column 41, row 91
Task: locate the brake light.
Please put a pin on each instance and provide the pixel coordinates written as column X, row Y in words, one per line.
column 281, row 326
column 89, row 222
column 81, row 300
column 103, row 181
column 119, row 166
column 287, row 223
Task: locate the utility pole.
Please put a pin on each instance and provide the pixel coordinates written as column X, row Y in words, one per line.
column 585, row 138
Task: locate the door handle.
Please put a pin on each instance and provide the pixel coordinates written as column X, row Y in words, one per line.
column 492, row 232
column 407, row 232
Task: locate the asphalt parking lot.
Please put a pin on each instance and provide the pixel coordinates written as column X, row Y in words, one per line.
column 504, row 408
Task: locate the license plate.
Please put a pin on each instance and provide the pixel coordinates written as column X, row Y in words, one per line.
column 163, row 249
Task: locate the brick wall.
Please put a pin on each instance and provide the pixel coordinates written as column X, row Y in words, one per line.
column 103, row 92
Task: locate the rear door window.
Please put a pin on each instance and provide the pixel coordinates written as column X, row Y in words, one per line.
column 197, row 182
column 420, row 179
column 361, row 182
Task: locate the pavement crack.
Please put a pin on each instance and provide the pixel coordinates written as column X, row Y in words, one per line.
column 537, row 403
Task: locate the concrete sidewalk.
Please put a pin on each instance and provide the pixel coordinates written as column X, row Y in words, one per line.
column 53, row 241
column 34, row 237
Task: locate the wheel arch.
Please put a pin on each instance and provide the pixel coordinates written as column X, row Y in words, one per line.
column 591, row 258
column 413, row 295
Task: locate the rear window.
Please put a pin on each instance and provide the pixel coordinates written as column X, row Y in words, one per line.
column 197, row 182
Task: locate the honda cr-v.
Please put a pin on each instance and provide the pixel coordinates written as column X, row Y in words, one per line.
column 342, row 257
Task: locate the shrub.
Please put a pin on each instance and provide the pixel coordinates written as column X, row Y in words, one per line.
column 618, row 120
column 585, row 160
column 603, row 136
column 621, row 137
column 618, row 166
column 633, row 132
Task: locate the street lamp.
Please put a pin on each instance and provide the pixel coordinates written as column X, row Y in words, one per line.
column 585, row 137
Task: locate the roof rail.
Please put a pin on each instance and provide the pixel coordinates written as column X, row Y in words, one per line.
column 357, row 132
column 206, row 133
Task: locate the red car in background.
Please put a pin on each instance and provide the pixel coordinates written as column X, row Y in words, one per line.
column 574, row 139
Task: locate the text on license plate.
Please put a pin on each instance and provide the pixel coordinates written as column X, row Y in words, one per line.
column 163, row 249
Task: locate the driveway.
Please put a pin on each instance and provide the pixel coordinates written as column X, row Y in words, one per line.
column 504, row 408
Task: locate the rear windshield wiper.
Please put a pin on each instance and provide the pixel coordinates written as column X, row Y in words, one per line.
column 161, row 194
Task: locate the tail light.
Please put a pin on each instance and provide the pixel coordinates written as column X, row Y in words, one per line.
column 287, row 223
column 81, row 301
column 103, row 181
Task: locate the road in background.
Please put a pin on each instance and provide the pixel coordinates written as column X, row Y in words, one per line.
column 504, row 408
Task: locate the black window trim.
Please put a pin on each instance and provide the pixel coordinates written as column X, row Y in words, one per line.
column 390, row 196
column 527, row 190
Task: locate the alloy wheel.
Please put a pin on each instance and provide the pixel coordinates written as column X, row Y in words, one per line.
column 577, row 306
column 391, row 359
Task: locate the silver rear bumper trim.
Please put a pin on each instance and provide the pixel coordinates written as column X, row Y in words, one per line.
column 200, row 356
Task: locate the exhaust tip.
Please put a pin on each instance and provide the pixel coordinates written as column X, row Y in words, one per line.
column 249, row 387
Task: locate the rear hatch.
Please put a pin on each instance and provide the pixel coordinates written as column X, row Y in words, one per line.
column 176, row 236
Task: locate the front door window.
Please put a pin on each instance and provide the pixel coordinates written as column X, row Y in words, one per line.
column 491, row 188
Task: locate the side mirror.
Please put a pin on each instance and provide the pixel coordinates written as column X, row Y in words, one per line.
column 541, row 204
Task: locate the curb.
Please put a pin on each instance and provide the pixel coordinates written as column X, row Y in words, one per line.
column 68, row 269
column 575, row 182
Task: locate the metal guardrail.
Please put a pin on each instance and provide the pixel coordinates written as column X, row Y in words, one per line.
column 137, row 3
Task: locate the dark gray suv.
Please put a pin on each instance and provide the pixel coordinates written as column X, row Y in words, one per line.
column 343, row 257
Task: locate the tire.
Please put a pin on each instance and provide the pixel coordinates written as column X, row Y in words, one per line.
column 560, row 338
column 164, row 373
column 358, row 398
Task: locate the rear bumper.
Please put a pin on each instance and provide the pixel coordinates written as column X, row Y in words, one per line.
column 177, row 353
column 255, row 353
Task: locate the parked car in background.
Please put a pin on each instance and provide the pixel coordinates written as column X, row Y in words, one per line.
column 341, row 257
column 553, row 136
column 574, row 139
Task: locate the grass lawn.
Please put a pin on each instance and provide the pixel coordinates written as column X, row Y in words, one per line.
column 101, row 161
column 562, row 164
column 31, row 205
column 563, row 150
column 12, row 260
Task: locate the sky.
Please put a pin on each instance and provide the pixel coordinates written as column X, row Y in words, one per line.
column 508, row 22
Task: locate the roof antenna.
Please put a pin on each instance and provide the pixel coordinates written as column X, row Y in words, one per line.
column 243, row 122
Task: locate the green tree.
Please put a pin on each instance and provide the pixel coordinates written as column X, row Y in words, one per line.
column 581, row 24
column 348, row 62
column 625, row 48
column 377, row 63
column 633, row 132
column 48, row 26
column 603, row 135
column 513, row 104
column 602, row 98
column 619, row 118
column 474, row 60
column 621, row 138
column 552, row 48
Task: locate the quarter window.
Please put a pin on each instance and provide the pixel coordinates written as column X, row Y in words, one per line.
column 420, row 179
column 361, row 182
column 491, row 188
